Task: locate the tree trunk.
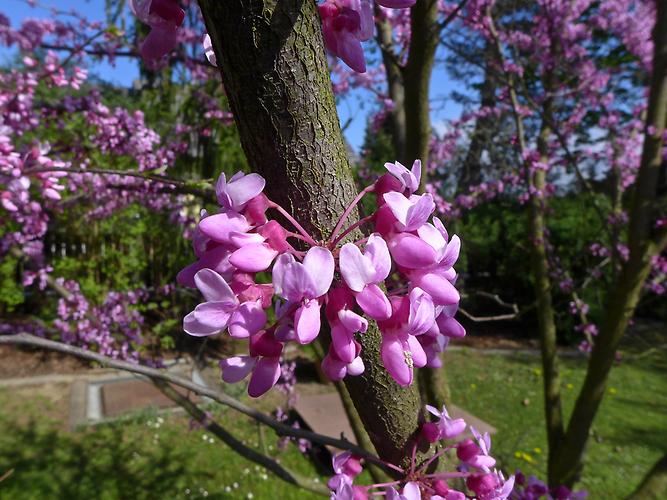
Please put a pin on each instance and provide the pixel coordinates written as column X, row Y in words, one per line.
column 417, row 79
column 274, row 69
column 553, row 410
column 625, row 291
column 395, row 86
column 471, row 170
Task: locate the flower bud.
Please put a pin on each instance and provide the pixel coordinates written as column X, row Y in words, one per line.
column 467, row 450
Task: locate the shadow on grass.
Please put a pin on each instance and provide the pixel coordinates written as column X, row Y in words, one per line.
column 50, row 464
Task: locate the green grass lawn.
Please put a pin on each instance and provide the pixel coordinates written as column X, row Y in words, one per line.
column 148, row 456
column 151, row 456
column 628, row 436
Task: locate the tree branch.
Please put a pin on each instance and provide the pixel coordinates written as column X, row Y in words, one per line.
column 218, row 396
column 221, row 433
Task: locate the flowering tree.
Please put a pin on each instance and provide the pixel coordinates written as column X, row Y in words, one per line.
column 377, row 289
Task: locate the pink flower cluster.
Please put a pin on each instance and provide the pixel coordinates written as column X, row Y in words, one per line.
column 347, row 23
column 407, row 256
column 474, row 467
column 532, row 488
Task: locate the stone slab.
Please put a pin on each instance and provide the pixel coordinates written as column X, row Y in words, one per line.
column 78, row 403
column 477, row 423
column 325, row 414
column 131, row 395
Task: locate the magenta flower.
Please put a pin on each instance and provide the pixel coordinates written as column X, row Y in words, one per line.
column 362, row 272
column 344, row 26
column 241, row 188
column 337, row 369
column 263, row 362
column 165, row 18
column 409, row 179
column 222, row 310
column 224, row 226
column 449, row 427
column 449, row 326
column 303, row 284
column 400, row 350
column 346, row 467
column 410, row 491
column 410, row 213
column 347, row 23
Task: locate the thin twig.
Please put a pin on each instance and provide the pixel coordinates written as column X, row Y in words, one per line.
column 452, row 15
column 6, row 475
column 482, row 319
column 226, row 437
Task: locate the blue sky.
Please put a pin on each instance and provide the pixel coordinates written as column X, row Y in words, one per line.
column 125, row 70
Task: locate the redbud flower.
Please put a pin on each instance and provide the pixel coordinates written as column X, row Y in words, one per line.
column 449, row 427
column 165, row 18
column 303, row 284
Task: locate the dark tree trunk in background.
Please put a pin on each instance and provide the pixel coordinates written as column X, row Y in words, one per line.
column 417, row 78
column 471, row 170
column 275, row 73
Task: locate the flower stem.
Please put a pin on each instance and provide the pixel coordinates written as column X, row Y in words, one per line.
column 347, row 211
column 435, row 457
column 307, row 237
column 350, row 229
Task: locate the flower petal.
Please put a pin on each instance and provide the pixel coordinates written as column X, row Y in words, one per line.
column 412, row 252
column 278, row 273
column 297, row 283
column 357, row 269
column 451, row 252
column 419, row 358
column 422, row 312
column 352, row 321
column 411, row 491
column 342, row 342
column 264, row 376
column 377, row 251
column 320, row 266
column 441, row 290
column 247, row 320
column 208, row 318
column 219, row 227
column 420, row 210
column 396, row 359
column 356, row 367
column 374, row 302
column 253, row 258
column 307, row 322
column 243, row 189
column 236, row 368
column 333, row 368
column 213, row 287
column 450, row 327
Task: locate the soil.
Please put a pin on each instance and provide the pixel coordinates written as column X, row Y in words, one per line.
column 23, row 362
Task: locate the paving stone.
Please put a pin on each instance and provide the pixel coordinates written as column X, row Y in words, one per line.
column 131, row 395
column 324, row 414
column 78, row 403
column 477, row 423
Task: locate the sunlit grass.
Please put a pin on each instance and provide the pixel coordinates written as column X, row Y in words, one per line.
column 628, row 436
column 157, row 456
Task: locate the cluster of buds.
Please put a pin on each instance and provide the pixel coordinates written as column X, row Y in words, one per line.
column 347, row 23
column 401, row 276
column 474, row 471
